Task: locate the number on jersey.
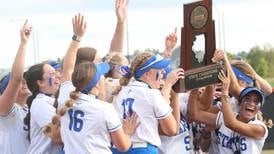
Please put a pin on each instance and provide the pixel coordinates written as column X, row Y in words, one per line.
column 127, row 105
column 75, row 121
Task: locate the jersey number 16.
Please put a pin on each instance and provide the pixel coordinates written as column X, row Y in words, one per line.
column 75, row 121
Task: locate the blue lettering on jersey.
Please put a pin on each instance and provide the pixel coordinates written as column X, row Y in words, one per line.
column 127, row 107
column 235, row 143
column 26, row 127
column 187, row 143
column 76, row 123
column 243, row 144
column 183, row 128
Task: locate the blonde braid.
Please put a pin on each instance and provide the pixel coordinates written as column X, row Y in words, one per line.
column 74, row 95
column 137, row 62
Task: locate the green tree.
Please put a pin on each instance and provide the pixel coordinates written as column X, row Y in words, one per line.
column 254, row 56
column 270, row 62
column 262, row 67
column 242, row 55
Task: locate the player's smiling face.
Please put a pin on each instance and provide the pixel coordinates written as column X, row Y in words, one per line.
column 250, row 105
column 51, row 80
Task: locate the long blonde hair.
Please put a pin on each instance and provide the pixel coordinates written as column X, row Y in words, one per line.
column 82, row 75
column 137, row 62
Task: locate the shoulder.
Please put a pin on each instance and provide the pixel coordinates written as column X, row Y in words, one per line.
column 259, row 122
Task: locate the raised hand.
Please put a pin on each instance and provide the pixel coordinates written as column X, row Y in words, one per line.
column 174, row 75
column 225, row 82
column 25, row 32
column 121, row 10
column 170, row 43
column 130, row 124
column 219, row 55
column 79, row 25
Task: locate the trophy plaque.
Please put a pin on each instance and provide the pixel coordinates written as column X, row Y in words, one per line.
column 197, row 47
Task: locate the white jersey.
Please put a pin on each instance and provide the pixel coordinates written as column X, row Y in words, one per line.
column 180, row 143
column 86, row 127
column 230, row 141
column 42, row 111
column 13, row 133
column 234, row 104
column 150, row 107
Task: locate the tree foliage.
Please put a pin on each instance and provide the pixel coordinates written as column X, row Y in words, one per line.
column 260, row 58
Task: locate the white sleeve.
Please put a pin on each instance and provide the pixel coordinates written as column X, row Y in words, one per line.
column 112, row 118
column 219, row 119
column 160, row 106
column 258, row 122
column 65, row 89
column 42, row 112
column 10, row 114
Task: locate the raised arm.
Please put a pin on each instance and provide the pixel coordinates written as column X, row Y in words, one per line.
column 171, row 79
column 234, row 88
column 207, row 97
column 117, row 41
column 249, row 130
column 264, row 85
column 79, row 28
column 194, row 113
column 9, row 95
column 170, row 43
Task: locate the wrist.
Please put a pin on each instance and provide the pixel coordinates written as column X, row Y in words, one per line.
column 76, row 38
column 224, row 97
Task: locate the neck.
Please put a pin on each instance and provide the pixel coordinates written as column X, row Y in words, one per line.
column 242, row 119
column 47, row 92
column 147, row 82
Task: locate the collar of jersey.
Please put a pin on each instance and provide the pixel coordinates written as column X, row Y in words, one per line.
column 86, row 97
column 141, row 83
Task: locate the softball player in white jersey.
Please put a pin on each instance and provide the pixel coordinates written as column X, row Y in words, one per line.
column 88, row 125
column 13, row 134
column 43, row 81
column 237, row 133
column 230, row 141
column 143, row 97
column 180, row 143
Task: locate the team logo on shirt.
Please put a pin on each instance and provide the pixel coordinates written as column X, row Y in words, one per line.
column 235, row 143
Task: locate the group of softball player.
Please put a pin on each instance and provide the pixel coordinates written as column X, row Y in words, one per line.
column 88, row 104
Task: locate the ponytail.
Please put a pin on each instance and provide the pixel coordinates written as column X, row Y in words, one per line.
column 267, row 122
column 74, row 95
column 27, row 117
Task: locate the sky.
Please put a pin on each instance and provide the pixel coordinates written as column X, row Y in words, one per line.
column 240, row 25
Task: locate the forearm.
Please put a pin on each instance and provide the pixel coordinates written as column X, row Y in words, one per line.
column 176, row 108
column 228, row 114
column 234, row 87
column 69, row 60
column 117, row 41
column 207, row 97
column 166, row 91
column 264, row 85
column 192, row 106
column 17, row 70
